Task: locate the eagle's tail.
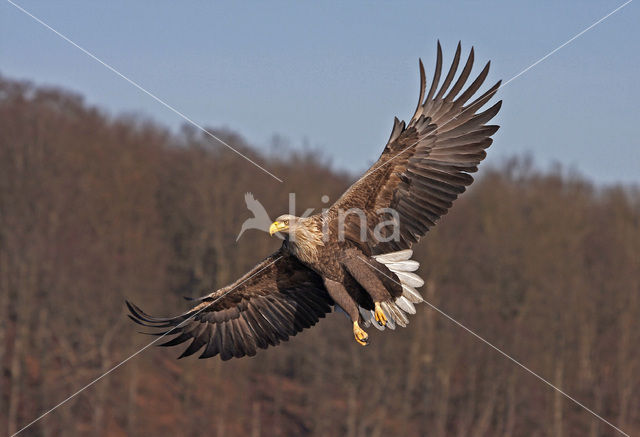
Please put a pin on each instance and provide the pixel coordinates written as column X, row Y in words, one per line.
column 396, row 310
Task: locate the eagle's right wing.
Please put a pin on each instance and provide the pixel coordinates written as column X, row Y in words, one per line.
column 274, row 301
column 427, row 163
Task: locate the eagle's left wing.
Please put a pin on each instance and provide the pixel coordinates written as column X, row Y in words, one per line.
column 274, row 301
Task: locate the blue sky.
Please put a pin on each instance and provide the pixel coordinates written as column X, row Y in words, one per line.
column 333, row 75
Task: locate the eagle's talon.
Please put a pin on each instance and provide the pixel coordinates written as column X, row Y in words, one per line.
column 360, row 335
column 379, row 315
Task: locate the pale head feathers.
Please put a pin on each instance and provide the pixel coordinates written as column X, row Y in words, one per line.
column 304, row 235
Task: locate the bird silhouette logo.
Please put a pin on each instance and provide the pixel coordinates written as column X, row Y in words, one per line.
column 260, row 219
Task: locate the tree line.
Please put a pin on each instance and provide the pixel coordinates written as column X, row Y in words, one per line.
column 97, row 208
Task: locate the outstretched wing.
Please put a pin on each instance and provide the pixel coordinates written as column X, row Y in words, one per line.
column 274, row 301
column 425, row 164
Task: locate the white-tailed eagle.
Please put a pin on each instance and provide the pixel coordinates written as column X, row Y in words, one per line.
column 357, row 254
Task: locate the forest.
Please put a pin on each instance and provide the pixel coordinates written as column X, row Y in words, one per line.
column 98, row 208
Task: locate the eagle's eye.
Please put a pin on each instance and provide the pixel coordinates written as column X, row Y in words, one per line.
column 286, row 222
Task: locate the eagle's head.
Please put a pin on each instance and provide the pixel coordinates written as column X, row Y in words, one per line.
column 303, row 234
column 286, row 224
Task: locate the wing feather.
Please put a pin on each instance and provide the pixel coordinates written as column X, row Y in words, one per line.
column 451, row 74
column 213, row 346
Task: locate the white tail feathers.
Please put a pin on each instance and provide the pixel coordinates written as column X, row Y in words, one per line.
column 396, row 311
column 404, row 266
column 405, row 305
column 393, row 312
column 392, row 257
column 408, row 278
column 411, row 294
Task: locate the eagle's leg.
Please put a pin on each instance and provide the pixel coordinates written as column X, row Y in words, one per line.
column 366, row 276
column 341, row 297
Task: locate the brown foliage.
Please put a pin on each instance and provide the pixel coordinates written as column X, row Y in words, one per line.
column 94, row 210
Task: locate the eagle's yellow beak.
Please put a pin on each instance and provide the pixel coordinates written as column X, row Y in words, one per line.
column 277, row 227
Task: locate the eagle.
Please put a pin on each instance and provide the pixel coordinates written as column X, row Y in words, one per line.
column 356, row 255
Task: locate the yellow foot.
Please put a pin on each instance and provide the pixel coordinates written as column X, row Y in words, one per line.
column 361, row 336
column 379, row 314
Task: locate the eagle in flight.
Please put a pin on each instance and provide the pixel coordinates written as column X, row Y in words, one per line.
column 357, row 254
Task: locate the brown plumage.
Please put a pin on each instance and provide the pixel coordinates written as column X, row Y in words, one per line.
column 356, row 255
